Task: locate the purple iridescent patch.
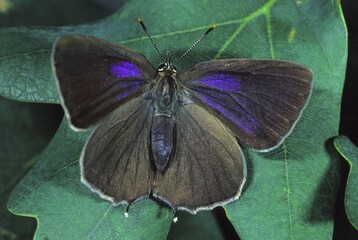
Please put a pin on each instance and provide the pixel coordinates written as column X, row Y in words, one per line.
column 125, row 70
column 231, row 109
column 220, row 81
column 129, row 75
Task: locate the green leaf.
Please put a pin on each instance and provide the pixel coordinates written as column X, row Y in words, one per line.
column 23, row 133
column 350, row 152
column 290, row 191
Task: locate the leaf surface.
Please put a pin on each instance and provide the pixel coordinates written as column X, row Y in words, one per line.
column 350, row 153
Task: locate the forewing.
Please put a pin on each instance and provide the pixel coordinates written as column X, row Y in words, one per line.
column 115, row 162
column 208, row 168
column 95, row 76
column 259, row 100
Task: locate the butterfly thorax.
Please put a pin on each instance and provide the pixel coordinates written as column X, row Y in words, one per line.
column 163, row 127
column 165, row 95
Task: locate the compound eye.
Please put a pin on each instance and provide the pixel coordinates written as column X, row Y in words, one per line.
column 161, row 67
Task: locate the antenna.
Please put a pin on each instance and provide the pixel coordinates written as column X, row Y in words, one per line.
column 187, row 51
column 196, row 43
column 151, row 39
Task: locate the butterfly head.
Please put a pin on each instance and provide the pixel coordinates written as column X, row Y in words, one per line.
column 168, row 68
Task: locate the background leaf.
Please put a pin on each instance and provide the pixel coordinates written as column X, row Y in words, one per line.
column 24, row 132
column 290, row 192
column 350, row 152
column 25, row 129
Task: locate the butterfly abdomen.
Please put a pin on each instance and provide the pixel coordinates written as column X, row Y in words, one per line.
column 163, row 124
column 162, row 140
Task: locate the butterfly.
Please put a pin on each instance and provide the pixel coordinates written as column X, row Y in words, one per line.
column 173, row 135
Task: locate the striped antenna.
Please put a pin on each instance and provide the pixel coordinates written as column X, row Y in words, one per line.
column 150, row 38
column 196, row 43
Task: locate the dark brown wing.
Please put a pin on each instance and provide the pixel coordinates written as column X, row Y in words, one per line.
column 208, row 168
column 259, row 100
column 115, row 162
column 95, row 76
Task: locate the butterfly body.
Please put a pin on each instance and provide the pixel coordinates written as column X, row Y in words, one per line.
column 173, row 134
column 164, row 97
